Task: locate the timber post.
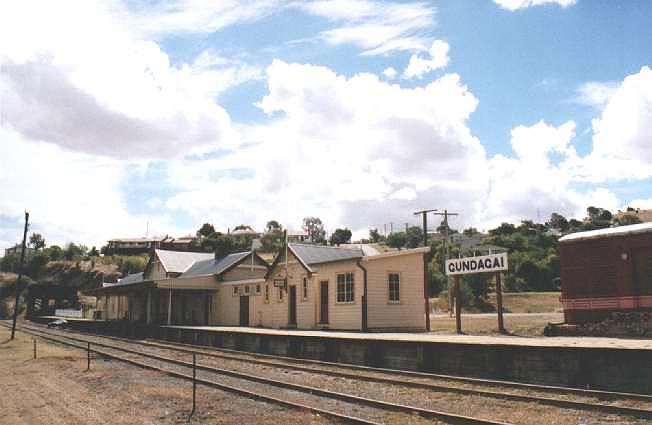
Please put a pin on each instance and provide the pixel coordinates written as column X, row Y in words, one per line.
column 458, row 307
column 499, row 304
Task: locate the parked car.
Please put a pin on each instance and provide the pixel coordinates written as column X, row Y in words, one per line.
column 59, row 323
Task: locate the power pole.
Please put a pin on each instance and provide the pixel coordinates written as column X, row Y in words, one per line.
column 20, row 275
column 424, row 215
column 446, row 236
column 426, row 299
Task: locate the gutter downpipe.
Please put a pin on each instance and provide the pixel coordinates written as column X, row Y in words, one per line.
column 425, row 292
column 365, row 327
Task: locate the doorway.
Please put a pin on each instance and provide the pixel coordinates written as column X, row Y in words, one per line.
column 293, row 306
column 244, row 311
column 642, row 261
column 323, row 302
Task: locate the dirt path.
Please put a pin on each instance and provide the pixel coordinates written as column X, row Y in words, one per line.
column 56, row 389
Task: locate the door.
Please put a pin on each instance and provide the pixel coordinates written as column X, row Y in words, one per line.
column 323, row 302
column 244, row 311
column 293, row 306
column 642, row 261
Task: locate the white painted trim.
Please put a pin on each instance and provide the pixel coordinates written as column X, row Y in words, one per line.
column 606, row 303
column 242, row 282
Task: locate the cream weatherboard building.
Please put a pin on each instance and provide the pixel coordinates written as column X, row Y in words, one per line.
column 306, row 287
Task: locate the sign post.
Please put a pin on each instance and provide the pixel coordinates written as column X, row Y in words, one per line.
column 493, row 263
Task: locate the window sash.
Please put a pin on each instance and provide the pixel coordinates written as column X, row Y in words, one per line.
column 345, row 288
column 304, row 288
column 394, row 286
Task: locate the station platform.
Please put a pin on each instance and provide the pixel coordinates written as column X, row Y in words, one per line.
column 610, row 364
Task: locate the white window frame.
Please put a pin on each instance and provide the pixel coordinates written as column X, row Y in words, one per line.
column 348, row 291
column 267, row 293
column 247, row 290
column 389, row 288
column 236, row 291
column 304, row 289
column 258, row 289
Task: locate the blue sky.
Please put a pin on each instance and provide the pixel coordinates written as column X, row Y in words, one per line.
column 164, row 115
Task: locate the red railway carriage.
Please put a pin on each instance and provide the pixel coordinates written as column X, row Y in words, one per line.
column 605, row 271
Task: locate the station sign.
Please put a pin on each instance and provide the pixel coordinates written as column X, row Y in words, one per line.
column 482, row 264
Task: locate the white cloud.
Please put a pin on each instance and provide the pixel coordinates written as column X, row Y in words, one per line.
column 374, row 26
column 351, row 150
column 539, row 180
column 163, row 18
column 622, row 135
column 390, row 73
column 596, row 94
column 107, row 92
column 418, row 66
column 523, row 4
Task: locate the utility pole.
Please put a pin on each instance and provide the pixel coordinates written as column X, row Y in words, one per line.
column 20, row 275
column 424, row 215
column 426, row 299
column 446, row 236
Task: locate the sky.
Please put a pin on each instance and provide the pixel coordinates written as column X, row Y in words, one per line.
column 121, row 118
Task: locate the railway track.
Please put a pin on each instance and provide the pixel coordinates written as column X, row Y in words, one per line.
column 319, row 396
column 420, row 380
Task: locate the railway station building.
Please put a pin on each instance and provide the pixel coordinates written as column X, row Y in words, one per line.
column 306, row 287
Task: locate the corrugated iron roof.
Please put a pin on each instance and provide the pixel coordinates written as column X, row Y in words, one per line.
column 316, row 254
column 180, row 261
column 131, row 278
column 214, row 267
column 609, row 232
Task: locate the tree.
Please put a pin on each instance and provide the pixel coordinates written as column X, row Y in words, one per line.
column 205, row 230
column 54, row 252
column 273, row 226
column 93, row 252
column 471, row 231
column 272, row 241
column 37, row 241
column 375, row 236
column 397, row 240
column 315, row 229
column 341, row 236
column 413, row 237
column 558, row 221
column 73, row 252
column 243, row 227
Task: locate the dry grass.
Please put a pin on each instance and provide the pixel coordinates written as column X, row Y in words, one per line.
column 529, row 302
column 487, row 324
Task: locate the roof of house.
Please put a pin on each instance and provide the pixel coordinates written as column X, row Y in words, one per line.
column 213, row 266
column 180, row 261
column 367, row 249
column 127, row 280
column 317, row 254
column 140, row 240
column 644, row 215
column 609, row 232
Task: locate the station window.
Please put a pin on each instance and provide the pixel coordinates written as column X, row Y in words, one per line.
column 235, row 291
column 266, row 293
column 304, row 289
column 394, row 283
column 258, row 289
column 246, row 290
column 280, row 294
column 345, row 288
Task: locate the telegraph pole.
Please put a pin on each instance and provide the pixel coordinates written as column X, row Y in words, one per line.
column 426, row 299
column 20, row 275
column 424, row 215
column 446, row 236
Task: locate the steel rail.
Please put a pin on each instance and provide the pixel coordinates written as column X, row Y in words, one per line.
column 571, row 404
column 426, row 413
column 209, row 383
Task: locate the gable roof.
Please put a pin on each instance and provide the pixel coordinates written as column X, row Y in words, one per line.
column 216, row 266
column 317, row 254
column 180, row 261
column 131, row 278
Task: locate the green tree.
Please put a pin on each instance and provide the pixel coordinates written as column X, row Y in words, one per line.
column 205, row 230
column 93, row 252
column 559, row 222
column 315, row 229
column 375, row 236
column 413, row 237
column 73, row 252
column 273, row 226
column 340, row 236
column 272, row 241
column 36, row 241
column 397, row 240
column 54, row 252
